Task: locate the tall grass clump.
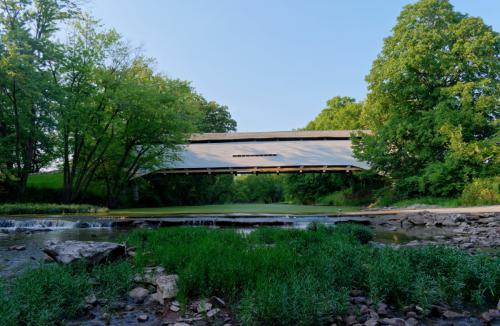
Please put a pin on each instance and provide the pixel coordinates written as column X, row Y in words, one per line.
column 50, row 294
column 40, row 208
column 288, row 276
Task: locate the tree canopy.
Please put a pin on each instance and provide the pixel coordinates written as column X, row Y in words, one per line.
column 433, row 101
column 341, row 113
column 88, row 104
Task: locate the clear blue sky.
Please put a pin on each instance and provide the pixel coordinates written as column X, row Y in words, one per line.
column 274, row 63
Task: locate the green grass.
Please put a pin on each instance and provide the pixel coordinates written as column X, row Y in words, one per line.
column 53, row 293
column 236, row 208
column 52, row 180
column 441, row 202
column 39, row 208
column 301, row 277
column 271, row 276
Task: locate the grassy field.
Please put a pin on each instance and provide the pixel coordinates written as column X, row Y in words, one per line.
column 46, row 180
column 237, row 208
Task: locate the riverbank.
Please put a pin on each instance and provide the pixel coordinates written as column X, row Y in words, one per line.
column 318, row 276
column 290, row 209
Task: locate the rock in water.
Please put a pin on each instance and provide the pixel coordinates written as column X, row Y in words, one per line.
column 94, row 252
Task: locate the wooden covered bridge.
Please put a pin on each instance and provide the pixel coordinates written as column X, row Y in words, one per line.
column 266, row 152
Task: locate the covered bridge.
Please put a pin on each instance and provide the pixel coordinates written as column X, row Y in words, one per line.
column 266, row 152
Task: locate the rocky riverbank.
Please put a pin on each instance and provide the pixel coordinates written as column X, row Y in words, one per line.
column 153, row 302
column 471, row 232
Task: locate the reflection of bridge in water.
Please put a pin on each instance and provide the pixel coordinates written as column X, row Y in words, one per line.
column 266, row 152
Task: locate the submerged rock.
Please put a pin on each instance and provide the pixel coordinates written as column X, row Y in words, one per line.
column 67, row 252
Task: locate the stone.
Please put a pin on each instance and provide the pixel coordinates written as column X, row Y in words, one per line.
column 213, row 312
column 142, row 318
column 203, row 306
column 393, row 321
column 181, row 324
column 411, row 322
column 223, row 303
column 166, row 286
column 350, row 320
column 91, row 299
column 17, row 248
column 174, row 308
column 129, row 307
column 448, row 314
column 382, row 309
column 69, row 251
column 411, row 314
column 371, row 322
column 138, row 294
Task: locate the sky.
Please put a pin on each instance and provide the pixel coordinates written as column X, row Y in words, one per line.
column 274, row 63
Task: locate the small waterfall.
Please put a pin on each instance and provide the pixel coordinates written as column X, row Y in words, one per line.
column 12, row 225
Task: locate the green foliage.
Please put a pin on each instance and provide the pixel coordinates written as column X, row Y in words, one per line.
column 215, row 118
column 113, row 280
column 485, row 191
column 283, row 277
column 438, row 201
column 50, row 294
column 341, row 113
column 278, row 301
column 47, row 294
column 265, row 188
column 433, row 102
column 37, row 208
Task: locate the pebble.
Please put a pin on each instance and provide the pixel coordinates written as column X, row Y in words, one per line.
column 212, row 312
column 142, row 318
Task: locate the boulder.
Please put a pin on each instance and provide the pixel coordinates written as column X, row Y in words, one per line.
column 138, row 294
column 67, row 252
column 166, row 286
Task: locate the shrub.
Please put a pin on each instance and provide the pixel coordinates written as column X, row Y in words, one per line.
column 482, row 191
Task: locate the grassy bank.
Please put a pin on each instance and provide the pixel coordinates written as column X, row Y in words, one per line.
column 269, row 277
column 39, row 208
column 236, row 208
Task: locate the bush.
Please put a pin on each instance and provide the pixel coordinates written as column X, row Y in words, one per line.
column 482, row 191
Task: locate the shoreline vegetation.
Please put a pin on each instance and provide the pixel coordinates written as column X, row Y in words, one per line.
column 255, row 208
column 268, row 277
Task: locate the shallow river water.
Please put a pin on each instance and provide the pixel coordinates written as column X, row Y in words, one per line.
column 34, row 232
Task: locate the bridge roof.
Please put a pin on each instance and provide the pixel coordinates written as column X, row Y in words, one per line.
column 271, row 135
column 295, row 151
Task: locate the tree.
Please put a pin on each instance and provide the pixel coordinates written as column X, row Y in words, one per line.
column 341, row 113
column 153, row 119
column 434, row 85
column 27, row 89
column 215, row 118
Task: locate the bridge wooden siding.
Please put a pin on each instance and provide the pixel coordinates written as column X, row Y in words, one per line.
column 266, row 152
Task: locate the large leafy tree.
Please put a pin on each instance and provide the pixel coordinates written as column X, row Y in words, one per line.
column 28, row 53
column 341, row 113
column 433, row 100
column 215, row 118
